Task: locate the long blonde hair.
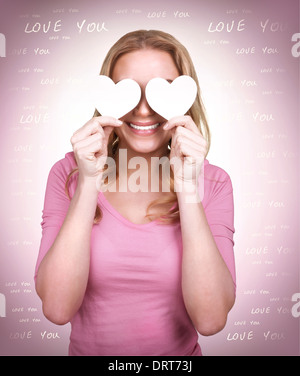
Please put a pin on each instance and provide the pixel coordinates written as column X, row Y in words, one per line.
column 159, row 40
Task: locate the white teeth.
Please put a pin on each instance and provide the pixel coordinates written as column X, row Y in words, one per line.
column 144, row 128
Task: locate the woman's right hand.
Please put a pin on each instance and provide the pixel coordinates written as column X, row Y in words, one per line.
column 90, row 145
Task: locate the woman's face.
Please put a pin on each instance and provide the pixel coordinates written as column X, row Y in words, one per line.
column 135, row 134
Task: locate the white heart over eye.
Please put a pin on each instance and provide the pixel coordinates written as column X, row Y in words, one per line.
column 115, row 100
column 170, row 100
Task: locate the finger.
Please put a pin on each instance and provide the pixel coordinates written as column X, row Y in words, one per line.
column 93, row 126
column 192, row 156
column 187, row 147
column 106, row 121
column 197, row 141
column 187, row 133
column 87, row 141
column 184, row 121
column 107, row 131
column 89, row 151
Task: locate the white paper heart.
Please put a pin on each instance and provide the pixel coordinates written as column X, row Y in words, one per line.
column 170, row 100
column 115, row 100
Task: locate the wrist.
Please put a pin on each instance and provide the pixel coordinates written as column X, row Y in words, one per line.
column 88, row 185
column 187, row 192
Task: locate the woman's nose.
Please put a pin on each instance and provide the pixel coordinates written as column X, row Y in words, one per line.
column 143, row 108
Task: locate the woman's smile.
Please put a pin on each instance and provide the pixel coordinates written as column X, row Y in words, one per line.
column 144, row 128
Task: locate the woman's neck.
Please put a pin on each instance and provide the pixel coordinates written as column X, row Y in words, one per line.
column 142, row 168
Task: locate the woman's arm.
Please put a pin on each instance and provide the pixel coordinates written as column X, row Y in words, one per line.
column 63, row 273
column 207, row 285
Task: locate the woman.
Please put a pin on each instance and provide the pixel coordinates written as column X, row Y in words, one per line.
column 149, row 270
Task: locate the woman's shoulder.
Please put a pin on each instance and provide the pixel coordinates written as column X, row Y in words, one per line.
column 217, row 183
column 61, row 170
column 64, row 165
column 215, row 173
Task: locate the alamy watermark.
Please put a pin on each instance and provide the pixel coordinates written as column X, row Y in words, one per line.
column 296, row 46
column 296, row 306
column 2, row 305
column 186, row 173
column 2, row 45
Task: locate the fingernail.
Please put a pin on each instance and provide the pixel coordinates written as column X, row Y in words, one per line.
column 165, row 126
column 119, row 122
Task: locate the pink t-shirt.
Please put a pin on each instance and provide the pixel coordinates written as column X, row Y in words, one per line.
column 133, row 303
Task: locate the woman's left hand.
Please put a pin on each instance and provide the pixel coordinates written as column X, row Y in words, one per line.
column 188, row 151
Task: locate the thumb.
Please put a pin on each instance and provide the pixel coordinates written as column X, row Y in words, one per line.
column 107, row 131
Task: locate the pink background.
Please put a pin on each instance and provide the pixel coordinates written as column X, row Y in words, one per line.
column 250, row 85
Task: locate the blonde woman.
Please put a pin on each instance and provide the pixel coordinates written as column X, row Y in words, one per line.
column 138, row 273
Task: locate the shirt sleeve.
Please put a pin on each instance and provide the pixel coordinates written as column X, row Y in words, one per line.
column 219, row 210
column 56, row 204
